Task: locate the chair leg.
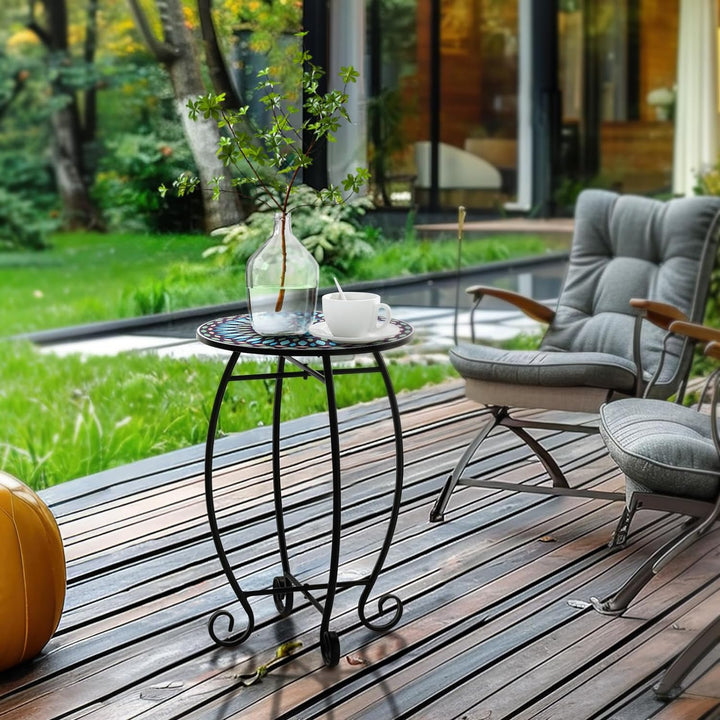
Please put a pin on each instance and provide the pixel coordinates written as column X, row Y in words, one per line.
column 551, row 467
column 669, row 687
column 437, row 514
column 620, row 536
column 618, row 602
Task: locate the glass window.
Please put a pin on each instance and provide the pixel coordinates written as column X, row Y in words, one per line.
column 617, row 65
column 477, row 109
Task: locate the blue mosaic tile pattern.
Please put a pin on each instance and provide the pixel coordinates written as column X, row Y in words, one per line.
column 236, row 333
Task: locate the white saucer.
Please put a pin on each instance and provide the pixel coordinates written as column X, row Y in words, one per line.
column 322, row 331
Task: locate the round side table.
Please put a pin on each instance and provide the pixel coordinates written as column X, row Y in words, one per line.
column 235, row 334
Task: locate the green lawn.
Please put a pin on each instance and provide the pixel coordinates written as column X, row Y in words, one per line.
column 72, row 416
column 64, row 417
column 91, row 277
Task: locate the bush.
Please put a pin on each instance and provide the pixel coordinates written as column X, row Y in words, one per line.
column 126, row 186
column 334, row 234
column 29, row 175
column 20, row 225
column 708, row 183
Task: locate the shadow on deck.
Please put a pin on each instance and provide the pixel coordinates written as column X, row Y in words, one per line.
column 486, row 633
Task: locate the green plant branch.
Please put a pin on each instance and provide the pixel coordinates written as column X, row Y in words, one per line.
column 279, row 148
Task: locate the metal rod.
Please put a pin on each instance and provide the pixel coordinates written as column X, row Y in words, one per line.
column 277, row 484
column 337, row 494
column 543, row 489
column 396, row 606
column 212, row 519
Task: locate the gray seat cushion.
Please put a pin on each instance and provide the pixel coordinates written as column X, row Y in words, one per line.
column 628, row 246
column 623, row 247
column 663, row 447
column 550, row 369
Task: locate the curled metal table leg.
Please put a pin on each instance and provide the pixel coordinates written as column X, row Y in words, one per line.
column 239, row 637
column 390, row 606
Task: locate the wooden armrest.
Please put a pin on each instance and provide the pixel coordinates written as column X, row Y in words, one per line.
column 695, row 331
column 531, row 308
column 658, row 313
column 713, row 350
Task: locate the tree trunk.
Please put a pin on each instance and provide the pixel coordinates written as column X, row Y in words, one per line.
column 67, row 135
column 203, row 135
column 217, row 68
column 79, row 211
column 177, row 53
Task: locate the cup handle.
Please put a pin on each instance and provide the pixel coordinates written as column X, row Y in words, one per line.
column 384, row 322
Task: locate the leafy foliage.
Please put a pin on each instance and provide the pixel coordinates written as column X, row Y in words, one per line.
column 270, row 158
column 130, row 172
column 20, row 225
column 333, row 233
column 708, row 183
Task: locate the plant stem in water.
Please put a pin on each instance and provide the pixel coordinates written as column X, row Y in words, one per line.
column 283, row 267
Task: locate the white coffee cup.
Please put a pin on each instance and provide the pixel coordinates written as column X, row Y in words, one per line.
column 357, row 316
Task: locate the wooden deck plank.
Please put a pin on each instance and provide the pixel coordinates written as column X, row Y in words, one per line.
column 486, row 623
column 529, row 618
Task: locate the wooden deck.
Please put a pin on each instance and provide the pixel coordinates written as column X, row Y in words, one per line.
column 487, row 632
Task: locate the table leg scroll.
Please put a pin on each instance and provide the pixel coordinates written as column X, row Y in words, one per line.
column 239, row 637
column 387, row 603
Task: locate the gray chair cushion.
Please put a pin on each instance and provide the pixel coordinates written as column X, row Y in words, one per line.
column 624, row 246
column 630, row 246
column 663, row 447
column 552, row 369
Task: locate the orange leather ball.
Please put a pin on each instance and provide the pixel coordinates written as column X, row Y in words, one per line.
column 32, row 573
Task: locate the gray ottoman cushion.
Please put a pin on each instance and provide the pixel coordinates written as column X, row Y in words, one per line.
column 661, row 446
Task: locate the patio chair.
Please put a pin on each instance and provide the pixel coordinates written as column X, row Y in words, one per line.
column 670, row 455
column 632, row 259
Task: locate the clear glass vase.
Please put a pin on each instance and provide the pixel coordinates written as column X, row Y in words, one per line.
column 282, row 283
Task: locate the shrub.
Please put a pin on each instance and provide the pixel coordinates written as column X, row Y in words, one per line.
column 334, row 234
column 126, row 186
column 29, row 175
column 708, row 183
column 20, row 225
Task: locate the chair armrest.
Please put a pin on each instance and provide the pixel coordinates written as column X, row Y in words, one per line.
column 658, row 313
column 713, row 350
column 531, row 308
column 695, row 331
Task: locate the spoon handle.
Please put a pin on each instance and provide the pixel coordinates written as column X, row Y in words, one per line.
column 340, row 290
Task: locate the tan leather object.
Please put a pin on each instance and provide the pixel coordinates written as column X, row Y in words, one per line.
column 32, row 573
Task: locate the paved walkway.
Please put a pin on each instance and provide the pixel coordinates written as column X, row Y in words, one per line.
column 433, row 327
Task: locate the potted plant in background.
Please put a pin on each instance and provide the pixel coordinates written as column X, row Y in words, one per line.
column 282, row 275
column 663, row 100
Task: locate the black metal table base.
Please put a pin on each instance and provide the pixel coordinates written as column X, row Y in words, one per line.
column 285, row 585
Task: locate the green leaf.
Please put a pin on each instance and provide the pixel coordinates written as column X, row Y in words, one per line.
column 349, row 74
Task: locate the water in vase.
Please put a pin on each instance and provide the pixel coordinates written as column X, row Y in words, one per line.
column 293, row 318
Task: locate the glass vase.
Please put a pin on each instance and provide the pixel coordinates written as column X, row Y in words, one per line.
column 282, row 283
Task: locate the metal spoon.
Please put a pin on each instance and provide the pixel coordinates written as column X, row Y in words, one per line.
column 340, row 290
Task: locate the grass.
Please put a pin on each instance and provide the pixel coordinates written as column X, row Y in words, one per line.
column 412, row 256
column 93, row 277
column 65, row 417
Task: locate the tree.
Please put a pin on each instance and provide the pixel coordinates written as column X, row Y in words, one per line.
column 49, row 21
column 217, row 68
column 176, row 52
